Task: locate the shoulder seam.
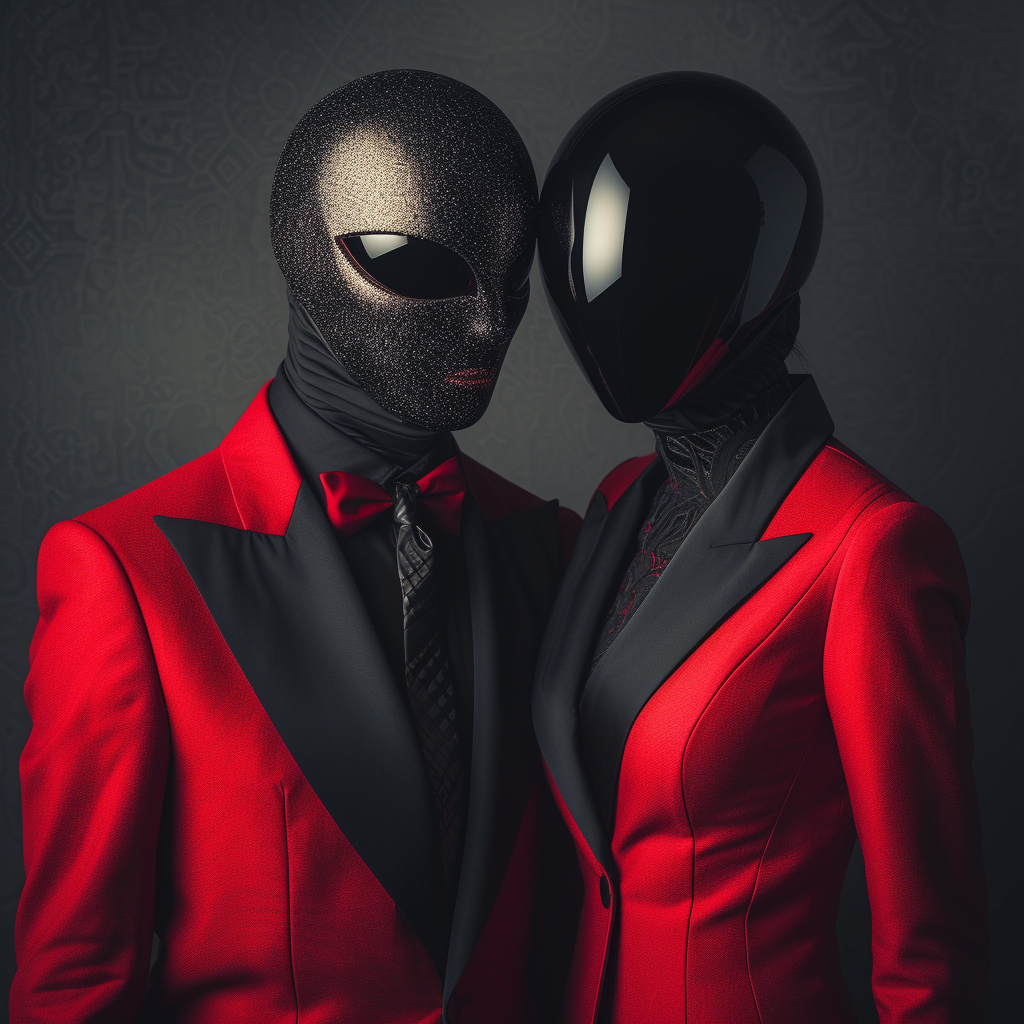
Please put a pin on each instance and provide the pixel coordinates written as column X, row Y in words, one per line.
column 832, row 448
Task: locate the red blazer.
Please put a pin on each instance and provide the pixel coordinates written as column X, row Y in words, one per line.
column 795, row 675
column 219, row 755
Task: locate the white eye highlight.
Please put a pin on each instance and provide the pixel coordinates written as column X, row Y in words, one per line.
column 604, row 229
column 377, row 245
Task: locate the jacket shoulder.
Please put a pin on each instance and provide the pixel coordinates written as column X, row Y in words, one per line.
column 879, row 524
column 843, row 466
column 621, row 478
column 899, row 541
column 837, row 487
column 246, row 469
column 499, row 498
column 196, row 490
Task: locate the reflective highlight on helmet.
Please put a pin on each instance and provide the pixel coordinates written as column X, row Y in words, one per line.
column 604, row 230
column 678, row 217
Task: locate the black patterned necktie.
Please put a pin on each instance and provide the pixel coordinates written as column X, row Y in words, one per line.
column 427, row 675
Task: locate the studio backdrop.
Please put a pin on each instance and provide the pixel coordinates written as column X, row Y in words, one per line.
column 142, row 308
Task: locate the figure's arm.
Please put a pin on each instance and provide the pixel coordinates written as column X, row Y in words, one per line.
column 92, row 778
column 569, row 526
column 897, row 694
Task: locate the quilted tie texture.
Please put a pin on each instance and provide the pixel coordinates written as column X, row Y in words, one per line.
column 427, row 675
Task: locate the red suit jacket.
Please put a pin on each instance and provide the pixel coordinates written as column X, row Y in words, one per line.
column 796, row 673
column 220, row 753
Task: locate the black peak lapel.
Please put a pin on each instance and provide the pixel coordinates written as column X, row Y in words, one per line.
column 605, row 545
column 512, row 569
column 290, row 612
column 718, row 566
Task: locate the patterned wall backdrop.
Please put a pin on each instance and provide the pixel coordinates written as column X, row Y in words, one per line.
column 142, row 307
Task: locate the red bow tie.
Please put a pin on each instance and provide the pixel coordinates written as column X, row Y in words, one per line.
column 353, row 501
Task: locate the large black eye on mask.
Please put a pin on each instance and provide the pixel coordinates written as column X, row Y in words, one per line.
column 408, row 266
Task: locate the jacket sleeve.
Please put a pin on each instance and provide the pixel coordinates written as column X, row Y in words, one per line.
column 897, row 695
column 569, row 526
column 92, row 778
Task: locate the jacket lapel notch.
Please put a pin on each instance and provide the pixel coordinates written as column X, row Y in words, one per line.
column 291, row 614
column 718, row 566
column 260, row 469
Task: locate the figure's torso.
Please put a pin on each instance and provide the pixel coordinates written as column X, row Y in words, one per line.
column 797, row 666
column 732, row 826
column 287, row 873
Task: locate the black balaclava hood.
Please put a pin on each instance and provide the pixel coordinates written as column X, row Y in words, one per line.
column 679, row 218
column 331, row 392
column 403, row 219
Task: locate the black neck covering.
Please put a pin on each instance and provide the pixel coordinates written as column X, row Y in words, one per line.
column 702, row 441
column 331, row 392
column 740, row 380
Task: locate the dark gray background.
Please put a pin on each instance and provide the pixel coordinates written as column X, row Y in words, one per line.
column 142, row 307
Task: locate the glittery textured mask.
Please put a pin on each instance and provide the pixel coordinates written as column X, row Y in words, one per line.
column 403, row 218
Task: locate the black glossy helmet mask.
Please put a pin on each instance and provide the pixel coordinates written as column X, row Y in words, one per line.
column 679, row 216
column 403, row 217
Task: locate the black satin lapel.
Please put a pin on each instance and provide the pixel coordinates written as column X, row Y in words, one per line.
column 605, row 545
column 512, row 570
column 718, row 566
column 290, row 612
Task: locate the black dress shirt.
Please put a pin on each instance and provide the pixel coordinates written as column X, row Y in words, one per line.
column 318, row 447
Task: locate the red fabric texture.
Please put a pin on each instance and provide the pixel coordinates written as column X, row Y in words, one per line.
column 489, row 991
column 140, row 714
column 619, row 480
column 587, row 969
column 833, row 699
column 353, row 501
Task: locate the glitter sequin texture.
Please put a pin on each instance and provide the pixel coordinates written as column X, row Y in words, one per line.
column 411, row 153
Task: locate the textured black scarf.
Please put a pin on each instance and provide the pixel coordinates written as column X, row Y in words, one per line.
column 701, row 442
